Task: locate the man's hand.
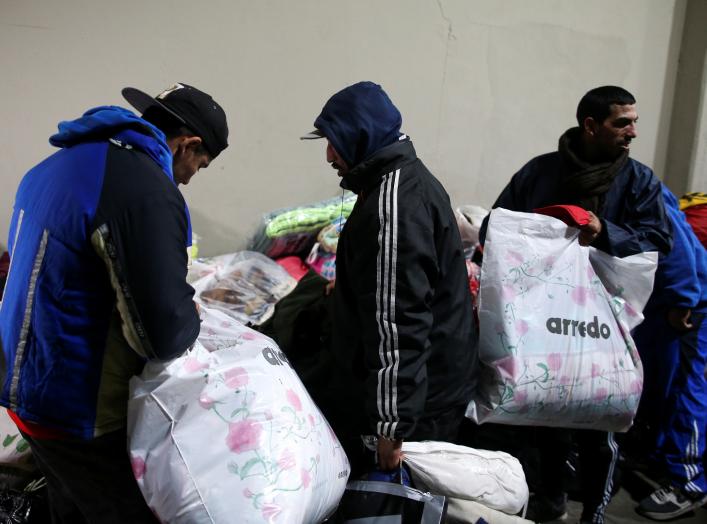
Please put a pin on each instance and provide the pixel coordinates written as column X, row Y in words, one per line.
column 679, row 318
column 389, row 453
column 589, row 233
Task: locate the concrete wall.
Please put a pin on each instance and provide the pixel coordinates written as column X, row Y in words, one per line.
column 686, row 165
column 482, row 85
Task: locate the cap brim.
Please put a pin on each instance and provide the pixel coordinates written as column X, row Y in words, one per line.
column 142, row 102
column 313, row 135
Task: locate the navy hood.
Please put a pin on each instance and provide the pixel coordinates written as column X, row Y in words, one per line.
column 358, row 121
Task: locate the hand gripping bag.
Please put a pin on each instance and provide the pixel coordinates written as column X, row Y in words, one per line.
column 555, row 321
column 227, row 433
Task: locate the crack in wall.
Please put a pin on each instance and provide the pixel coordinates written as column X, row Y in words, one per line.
column 450, row 37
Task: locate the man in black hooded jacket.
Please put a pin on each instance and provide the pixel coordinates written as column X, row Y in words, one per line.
column 404, row 339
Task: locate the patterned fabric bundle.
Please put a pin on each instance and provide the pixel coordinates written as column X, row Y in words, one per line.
column 228, row 433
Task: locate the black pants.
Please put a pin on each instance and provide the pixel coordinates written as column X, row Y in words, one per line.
column 90, row 481
column 598, row 453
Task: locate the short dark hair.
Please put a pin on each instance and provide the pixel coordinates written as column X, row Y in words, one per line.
column 597, row 102
column 170, row 126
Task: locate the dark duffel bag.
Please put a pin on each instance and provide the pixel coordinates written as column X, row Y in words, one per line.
column 373, row 502
column 28, row 506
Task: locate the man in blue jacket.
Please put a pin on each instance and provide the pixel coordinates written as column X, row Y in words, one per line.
column 404, row 339
column 591, row 169
column 97, row 285
column 672, row 342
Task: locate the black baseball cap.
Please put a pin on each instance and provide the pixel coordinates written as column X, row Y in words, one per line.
column 194, row 108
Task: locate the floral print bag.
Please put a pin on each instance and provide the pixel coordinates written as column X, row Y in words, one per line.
column 555, row 321
column 227, row 433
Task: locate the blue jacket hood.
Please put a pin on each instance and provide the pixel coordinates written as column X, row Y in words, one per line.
column 358, row 121
column 124, row 126
column 106, row 122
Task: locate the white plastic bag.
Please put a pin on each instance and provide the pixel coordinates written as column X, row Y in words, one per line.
column 227, row 433
column 492, row 478
column 469, row 219
column 461, row 511
column 555, row 319
column 16, row 464
column 244, row 285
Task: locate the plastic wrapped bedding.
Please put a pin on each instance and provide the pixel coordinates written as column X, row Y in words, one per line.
column 293, row 231
column 227, row 433
column 16, row 464
column 244, row 285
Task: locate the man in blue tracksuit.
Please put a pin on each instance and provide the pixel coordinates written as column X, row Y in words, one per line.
column 672, row 342
column 97, row 285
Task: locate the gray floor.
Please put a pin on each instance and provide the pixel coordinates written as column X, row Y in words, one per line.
column 621, row 509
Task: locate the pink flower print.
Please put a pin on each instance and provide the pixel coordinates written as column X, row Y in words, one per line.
column 270, row 511
column 600, row 395
column 235, row 378
column 565, row 380
column 268, row 415
column 554, row 361
column 520, row 396
column 192, row 365
column 514, row 258
column 596, row 370
column 580, row 295
column 205, row 401
column 508, row 293
column 243, row 436
column 548, row 262
column 521, row 327
column 311, row 419
column 636, row 387
column 138, row 465
column 630, row 311
column 294, row 400
column 287, row 460
column 226, row 323
column 247, row 493
column 248, row 335
column 306, row 478
column 507, row 366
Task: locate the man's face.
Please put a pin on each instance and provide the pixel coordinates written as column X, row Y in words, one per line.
column 188, row 158
column 333, row 158
column 614, row 135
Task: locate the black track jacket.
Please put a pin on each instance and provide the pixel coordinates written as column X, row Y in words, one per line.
column 403, row 314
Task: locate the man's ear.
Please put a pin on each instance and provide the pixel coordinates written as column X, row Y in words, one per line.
column 191, row 142
column 184, row 143
column 589, row 126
